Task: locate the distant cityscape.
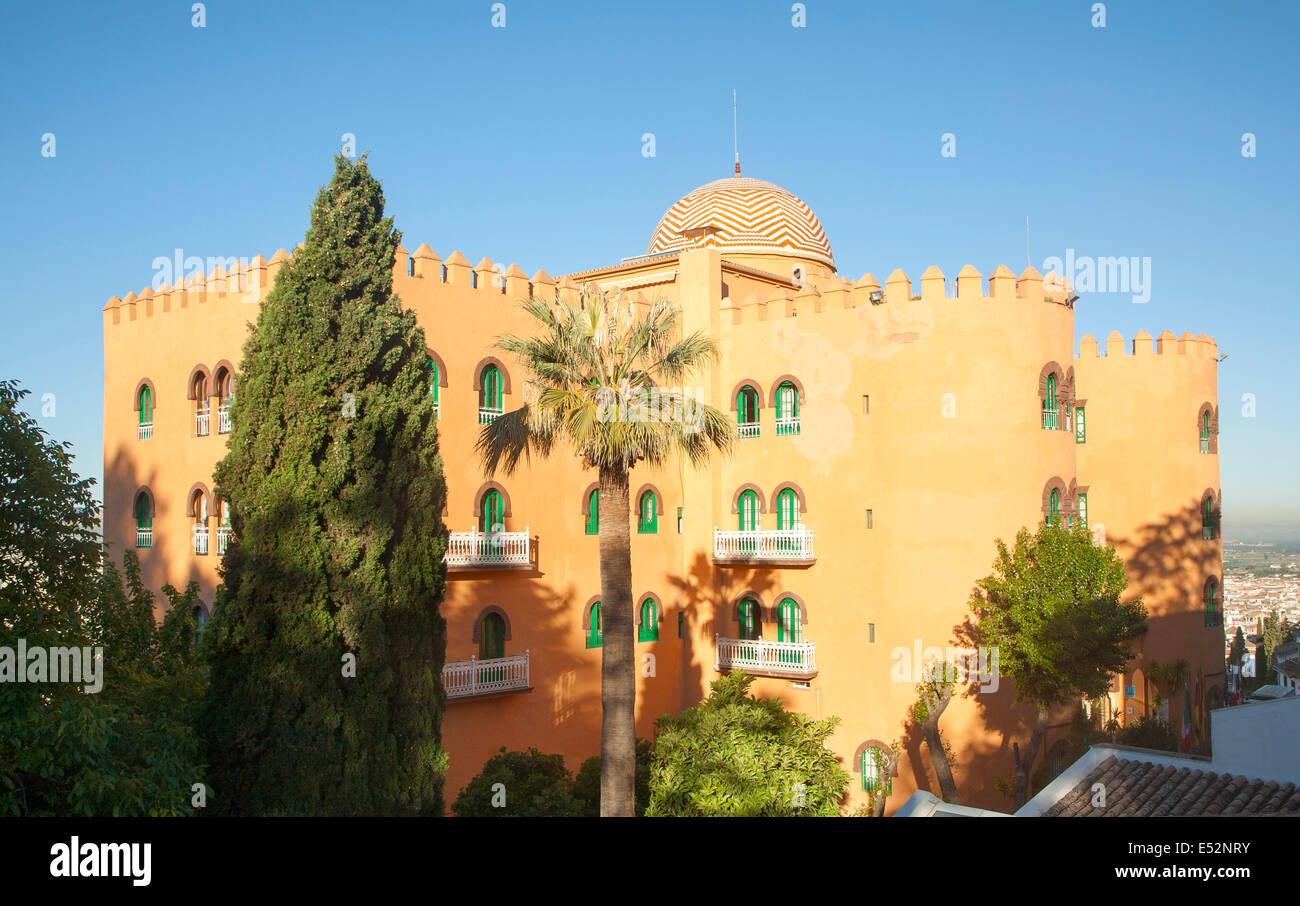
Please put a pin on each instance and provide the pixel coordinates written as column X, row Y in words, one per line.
column 1259, row 577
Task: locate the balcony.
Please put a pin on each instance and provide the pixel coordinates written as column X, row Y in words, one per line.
column 1213, row 618
column 747, row 429
column 223, row 540
column 144, row 537
column 145, row 431
column 787, row 426
column 223, row 419
column 489, row 550
column 480, row 679
column 1205, row 445
column 487, row 415
column 796, row 660
column 201, row 423
column 200, row 539
column 1051, row 419
column 789, row 547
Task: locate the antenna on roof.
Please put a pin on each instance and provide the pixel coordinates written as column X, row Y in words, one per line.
column 735, row 132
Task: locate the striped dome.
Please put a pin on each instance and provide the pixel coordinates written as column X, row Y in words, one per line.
column 743, row 216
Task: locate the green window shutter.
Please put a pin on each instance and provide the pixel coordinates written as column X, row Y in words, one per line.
column 491, row 511
column 1207, row 520
column 593, row 513
column 749, row 620
column 649, row 629
column 433, row 379
column 1080, row 426
column 146, row 405
column 787, row 510
column 1083, row 510
column 489, row 397
column 648, row 523
column 748, row 511
column 493, row 640
column 788, row 626
column 1050, row 401
column 747, row 406
column 1054, row 507
column 594, row 634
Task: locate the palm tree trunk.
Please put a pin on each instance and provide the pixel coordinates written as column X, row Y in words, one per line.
column 617, row 661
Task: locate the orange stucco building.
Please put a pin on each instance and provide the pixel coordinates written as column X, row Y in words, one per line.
column 886, row 436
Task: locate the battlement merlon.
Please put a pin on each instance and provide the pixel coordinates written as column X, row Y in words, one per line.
column 234, row 279
column 1142, row 345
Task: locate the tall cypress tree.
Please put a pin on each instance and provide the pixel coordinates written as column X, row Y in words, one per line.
column 336, row 492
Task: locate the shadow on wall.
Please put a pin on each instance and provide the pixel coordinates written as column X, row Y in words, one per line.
column 1168, row 562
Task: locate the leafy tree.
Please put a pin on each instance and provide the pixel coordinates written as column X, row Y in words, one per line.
column 520, row 785
column 1149, row 733
column 605, row 383
column 128, row 748
column 1052, row 608
column 733, row 755
column 1237, row 652
column 586, row 786
column 327, row 644
column 932, row 697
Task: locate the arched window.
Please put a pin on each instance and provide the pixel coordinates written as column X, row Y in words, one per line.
column 492, row 512
column 201, row 417
column 489, row 395
column 143, row 520
column 1207, row 518
column 787, row 409
column 593, row 512
column 200, row 621
column 747, row 412
column 1213, row 614
column 198, row 509
column 787, row 510
column 647, row 514
column 1205, row 431
column 225, row 387
column 751, row 626
column 1050, row 404
column 1083, row 510
column 748, row 507
column 875, row 770
column 1080, row 426
column 432, row 367
column 1054, row 508
column 789, row 626
column 648, row 631
column 492, row 638
column 145, row 405
column 594, row 634
column 223, row 526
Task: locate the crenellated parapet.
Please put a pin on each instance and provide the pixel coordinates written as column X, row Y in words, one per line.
column 1142, row 345
column 236, row 280
column 838, row 293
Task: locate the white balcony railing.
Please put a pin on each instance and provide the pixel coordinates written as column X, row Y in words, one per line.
column 747, row 430
column 1050, row 419
column 144, row 537
column 465, row 679
column 223, row 539
column 201, row 423
column 787, row 426
column 223, row 419
column 767, row 658
column 487, row 415
column 200, row 539
column 1205, row 445
column 782, row 544
column 145, row 431
column 489, row 549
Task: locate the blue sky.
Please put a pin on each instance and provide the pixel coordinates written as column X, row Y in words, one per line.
column 523, row 144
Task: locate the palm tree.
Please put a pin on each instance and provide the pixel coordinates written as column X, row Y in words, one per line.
column 609, row 382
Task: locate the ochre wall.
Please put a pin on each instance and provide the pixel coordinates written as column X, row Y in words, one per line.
column 951, row 456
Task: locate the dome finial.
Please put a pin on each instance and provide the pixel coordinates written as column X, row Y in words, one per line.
column 735, row 132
